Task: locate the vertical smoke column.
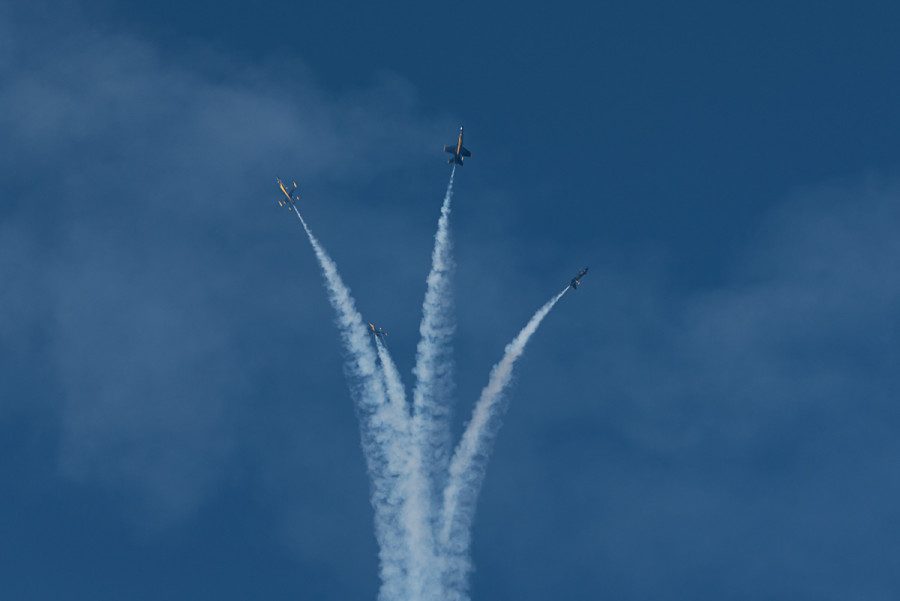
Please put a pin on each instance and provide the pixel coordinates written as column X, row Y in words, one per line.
column 378, row 427
column 423, row 577
column 430, row 431
column 396, row 393
column 469, row 461
column 434, row 358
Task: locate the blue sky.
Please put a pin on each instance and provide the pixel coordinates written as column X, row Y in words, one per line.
column 713, row 415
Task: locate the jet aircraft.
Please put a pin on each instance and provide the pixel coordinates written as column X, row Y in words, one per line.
column 379, row 332
column 289, row 197
column 577, row 279
column 459, row 151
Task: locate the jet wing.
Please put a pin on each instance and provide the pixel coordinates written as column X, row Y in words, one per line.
column 463, row 151
column 450, row 149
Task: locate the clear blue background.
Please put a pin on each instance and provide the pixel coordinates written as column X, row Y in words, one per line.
column 712, row 415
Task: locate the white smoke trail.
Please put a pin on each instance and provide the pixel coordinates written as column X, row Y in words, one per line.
column 423, row 556
column 423, row 575
column 434, row 359
column 381, row 429
column 396, row 393
column 467, row 467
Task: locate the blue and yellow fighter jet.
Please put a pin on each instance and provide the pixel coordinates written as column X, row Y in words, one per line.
column 379, row 332
column 289, row 197
column 459, row 151
column 577, row 279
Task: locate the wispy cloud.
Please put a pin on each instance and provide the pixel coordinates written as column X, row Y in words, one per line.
column 752, row 421
column 128, row 224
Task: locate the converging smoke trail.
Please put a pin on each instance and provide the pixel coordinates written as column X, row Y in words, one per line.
column 467, row 467
column 430, row 430
column 434, row 359
column 381, row 429
column 396, row 393
column 423, row 577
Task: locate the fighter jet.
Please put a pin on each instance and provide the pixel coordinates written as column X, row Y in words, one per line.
column 459, row 151
column 289, row 197
column 378, row 332
column 577, row 279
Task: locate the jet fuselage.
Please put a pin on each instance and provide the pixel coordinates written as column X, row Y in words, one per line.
column 458, row 152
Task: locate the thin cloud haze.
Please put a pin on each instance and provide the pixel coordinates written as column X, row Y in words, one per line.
column 711, row 415
column 134, row 214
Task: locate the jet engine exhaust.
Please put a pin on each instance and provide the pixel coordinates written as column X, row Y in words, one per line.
column 382, row 436
column 434, row 357
column 423, row 495
column 467, row 467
